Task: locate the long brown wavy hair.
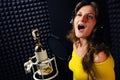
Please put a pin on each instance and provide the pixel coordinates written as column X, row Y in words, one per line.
column 95, row 45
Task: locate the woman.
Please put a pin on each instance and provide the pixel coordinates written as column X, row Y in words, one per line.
column 91, row 59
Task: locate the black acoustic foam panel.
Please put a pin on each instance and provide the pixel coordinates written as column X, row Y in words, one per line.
column 114, row 23
column 17, row 20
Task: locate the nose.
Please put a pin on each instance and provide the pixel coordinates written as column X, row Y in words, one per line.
column 83, row 18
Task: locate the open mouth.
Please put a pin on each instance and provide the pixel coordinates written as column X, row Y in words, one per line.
column 81, row 27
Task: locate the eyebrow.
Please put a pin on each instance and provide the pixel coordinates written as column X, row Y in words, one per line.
column 91, row 13
column 87, row 13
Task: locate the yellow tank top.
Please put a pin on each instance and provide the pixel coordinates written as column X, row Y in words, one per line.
column 105, row 70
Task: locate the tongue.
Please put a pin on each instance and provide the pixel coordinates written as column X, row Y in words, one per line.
column 80, row 27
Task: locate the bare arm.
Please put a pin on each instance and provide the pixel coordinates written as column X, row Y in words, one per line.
column 100, row 57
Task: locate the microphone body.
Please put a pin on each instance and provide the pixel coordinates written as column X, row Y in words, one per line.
column 41, row 65
column 41, row 54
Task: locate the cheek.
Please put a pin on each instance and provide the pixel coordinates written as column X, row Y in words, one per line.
column 91, row 25
column 76, row 30
column 74, row 23
column 90, row 29
column 75, row 26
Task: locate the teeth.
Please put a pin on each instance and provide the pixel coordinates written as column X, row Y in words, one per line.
column 80, row 27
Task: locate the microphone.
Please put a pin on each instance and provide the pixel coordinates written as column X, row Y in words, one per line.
column 41, row 65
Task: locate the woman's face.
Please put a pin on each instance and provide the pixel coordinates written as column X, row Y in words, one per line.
column 84, row 21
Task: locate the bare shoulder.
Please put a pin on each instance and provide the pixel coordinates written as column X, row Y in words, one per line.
column 100, row 57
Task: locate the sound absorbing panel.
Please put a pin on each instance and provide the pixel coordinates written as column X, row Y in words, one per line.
column 17, row 20
column 114, row 20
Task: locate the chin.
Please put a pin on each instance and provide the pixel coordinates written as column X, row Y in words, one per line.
column 79, row 36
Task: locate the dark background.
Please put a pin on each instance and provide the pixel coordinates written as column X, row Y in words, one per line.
column 19, row 17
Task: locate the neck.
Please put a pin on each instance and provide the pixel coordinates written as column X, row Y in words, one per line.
column 83, row 42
